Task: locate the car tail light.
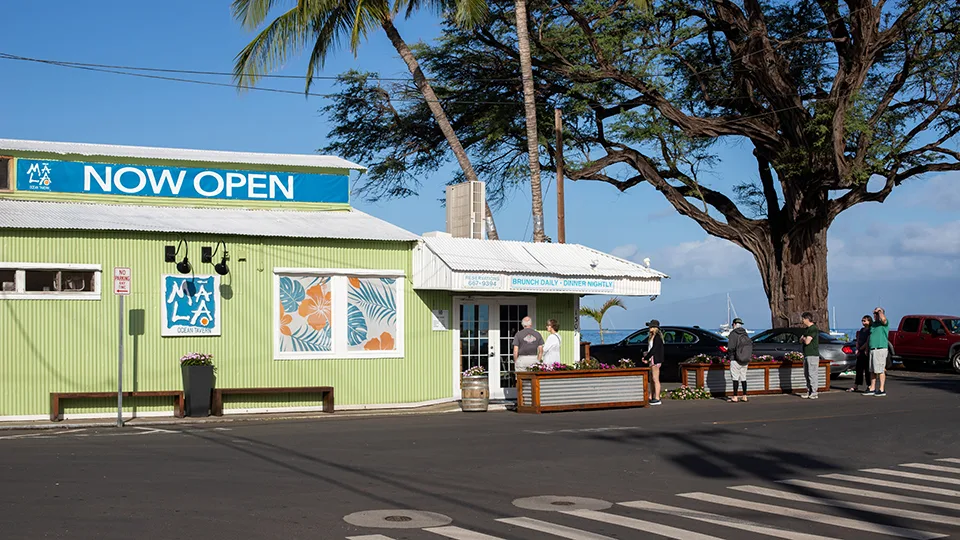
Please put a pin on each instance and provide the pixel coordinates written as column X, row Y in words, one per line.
column 723, row 349
column 847, row 349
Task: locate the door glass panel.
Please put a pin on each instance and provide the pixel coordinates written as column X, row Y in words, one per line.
column 510, row 317
column 474, row 327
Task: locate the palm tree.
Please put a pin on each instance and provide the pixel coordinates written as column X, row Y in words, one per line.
column 530, row 111
column 597, row 314
column 326, row 23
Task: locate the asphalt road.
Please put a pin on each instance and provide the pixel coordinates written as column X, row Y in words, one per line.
column 299, row 479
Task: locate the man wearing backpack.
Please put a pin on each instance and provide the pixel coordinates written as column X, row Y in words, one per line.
column 740, row 351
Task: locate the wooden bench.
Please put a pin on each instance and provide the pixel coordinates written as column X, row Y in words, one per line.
column 216, row 406
column 56, row 399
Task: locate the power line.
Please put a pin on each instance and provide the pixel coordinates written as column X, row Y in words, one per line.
column 119, row 71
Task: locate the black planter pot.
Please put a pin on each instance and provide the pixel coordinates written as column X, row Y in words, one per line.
column 197, row 388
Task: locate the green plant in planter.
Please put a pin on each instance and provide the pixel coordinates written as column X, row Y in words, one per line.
column 686, row 393
column 475, row 371
column 706, row 359
column 794, row 356
column 197, row 359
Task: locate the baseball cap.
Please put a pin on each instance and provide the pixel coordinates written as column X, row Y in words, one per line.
column 653, row 323
column 738, row 320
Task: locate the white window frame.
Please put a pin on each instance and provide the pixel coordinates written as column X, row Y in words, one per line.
column 338, row 313
column 10, row 179
column 20, row 280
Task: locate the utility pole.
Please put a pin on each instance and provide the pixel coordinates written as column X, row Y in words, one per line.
column 561, row 224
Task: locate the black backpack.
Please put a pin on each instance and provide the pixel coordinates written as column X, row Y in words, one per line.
column 744, row 350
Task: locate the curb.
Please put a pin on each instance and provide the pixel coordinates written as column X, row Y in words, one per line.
column 146, row 422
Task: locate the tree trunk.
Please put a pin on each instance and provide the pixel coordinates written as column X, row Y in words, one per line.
column 794, row 272
column 439, row 115
column 530, row 108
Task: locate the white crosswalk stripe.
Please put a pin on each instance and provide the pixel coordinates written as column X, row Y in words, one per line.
column 929, row 467
column 831, row 491
column 717, row 519
column 552, row 528
column 897, row 485
column 882, row 510
column 915, row 476
column 870, row 494
column 863, row 526
column 461, row 534
column 640, row 525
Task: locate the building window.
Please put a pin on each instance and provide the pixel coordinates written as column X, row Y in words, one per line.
column 371, row 314
column 5, row 175
column 322, row 314
column 31, row 281
column 8, row 280
column 306, row 307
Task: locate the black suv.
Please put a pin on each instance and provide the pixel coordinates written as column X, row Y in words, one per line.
column 679, row 344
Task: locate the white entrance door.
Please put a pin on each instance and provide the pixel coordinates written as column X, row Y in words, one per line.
column 484, row 337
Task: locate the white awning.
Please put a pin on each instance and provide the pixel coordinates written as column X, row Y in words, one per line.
column 496, row 266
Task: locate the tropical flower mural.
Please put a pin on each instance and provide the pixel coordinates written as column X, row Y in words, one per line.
column 305, row 308
column 371, row 314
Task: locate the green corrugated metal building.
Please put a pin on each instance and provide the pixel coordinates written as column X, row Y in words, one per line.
column 259, row 260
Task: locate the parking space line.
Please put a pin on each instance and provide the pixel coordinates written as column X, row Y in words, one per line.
column 640, row 525
column 896, row 485
column 826, row 519
column 552, row 528
column 950, row 460
column 882, row 510
column 370, row 537
column 871, row 494
column 724, row 521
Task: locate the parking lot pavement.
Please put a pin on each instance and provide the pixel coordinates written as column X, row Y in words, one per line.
column 687, row 468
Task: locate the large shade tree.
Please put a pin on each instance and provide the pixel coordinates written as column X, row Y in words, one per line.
column 838, row 104
column 322, row 25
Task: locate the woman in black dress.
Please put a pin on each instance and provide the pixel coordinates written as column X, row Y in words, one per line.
column 654, row 357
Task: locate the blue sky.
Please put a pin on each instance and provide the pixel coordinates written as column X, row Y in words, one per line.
column 905, row 251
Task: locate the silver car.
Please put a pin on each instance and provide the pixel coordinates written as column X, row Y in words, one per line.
column 778, row 342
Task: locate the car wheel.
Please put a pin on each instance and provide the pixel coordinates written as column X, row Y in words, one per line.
column 955, row 361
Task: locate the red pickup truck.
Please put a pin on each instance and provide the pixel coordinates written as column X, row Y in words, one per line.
column 931, row 339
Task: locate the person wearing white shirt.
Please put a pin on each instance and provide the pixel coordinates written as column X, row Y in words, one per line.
column 551, row 348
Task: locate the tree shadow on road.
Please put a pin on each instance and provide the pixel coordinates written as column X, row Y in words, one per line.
column 708, row 454
column 926, row 378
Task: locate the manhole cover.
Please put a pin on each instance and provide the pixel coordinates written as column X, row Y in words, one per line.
column 397, row 519
column 553, row 503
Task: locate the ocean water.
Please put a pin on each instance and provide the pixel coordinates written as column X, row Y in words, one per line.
column 613, row 336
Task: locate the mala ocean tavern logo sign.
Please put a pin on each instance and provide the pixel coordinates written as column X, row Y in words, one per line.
column 180, row 182
column 190, row 306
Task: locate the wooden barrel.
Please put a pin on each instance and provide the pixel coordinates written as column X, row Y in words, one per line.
column 475, row 392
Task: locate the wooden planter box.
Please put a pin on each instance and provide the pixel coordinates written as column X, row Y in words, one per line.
column 539, row 392
column 762, row 377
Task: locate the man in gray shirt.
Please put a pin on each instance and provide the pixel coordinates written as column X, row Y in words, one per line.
column 527, row 346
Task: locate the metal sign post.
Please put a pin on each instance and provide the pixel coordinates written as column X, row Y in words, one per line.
column 122, row 283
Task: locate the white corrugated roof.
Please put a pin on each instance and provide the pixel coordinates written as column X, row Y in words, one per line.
column 347, row 224
column 178, row 154
column 499, row 256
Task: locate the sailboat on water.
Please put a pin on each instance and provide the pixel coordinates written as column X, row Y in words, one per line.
column 833, row 321
column 726, row 327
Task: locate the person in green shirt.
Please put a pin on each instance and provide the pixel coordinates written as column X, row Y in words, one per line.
column 811, row 355
column 879, row 344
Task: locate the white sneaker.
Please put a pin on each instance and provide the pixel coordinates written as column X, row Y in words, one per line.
column 805, row 396
column 814, row 396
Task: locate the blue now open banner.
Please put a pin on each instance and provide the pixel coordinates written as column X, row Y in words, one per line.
column 180, row 182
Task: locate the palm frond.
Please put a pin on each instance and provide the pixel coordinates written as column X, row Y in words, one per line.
column 284, row 37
